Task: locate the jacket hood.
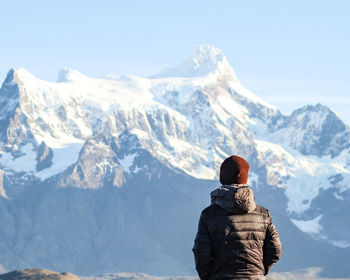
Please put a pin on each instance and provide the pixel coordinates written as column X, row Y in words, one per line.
column 234, row 198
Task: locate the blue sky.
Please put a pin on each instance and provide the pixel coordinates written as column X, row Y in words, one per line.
column 290, row 53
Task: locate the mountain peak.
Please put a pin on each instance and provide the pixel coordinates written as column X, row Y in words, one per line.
column 316, row 113
column 203, row 60
column 69, row 75
column 205, row 55
column 10, row 76
column 18, row 74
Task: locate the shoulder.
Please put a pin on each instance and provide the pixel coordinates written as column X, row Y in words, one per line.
column 262, row 210
column 212, row 210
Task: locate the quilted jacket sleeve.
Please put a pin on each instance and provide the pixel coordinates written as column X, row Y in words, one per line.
column 202, row 250
column 272, row 247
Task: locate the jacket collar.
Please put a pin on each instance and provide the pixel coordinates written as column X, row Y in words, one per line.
column 234, row 198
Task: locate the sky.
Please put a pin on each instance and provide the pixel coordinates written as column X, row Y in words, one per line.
column 290, row 53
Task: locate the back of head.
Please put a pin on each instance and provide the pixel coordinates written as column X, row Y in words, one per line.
column 234, row 170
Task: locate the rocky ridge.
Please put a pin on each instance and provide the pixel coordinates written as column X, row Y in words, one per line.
column 81, row 158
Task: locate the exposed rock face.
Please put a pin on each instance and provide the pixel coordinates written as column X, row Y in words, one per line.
column 44, row 157
column 315, row 130
column 37, row 274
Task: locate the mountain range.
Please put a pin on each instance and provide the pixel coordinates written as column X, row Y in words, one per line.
column 110, row 174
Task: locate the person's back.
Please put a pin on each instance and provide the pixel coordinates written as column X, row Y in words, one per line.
column 236, row 238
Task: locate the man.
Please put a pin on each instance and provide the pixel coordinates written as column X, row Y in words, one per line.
column 236, row 238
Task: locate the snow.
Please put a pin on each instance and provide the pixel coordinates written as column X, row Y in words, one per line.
column 225, row 106
column 62, row 158
column 127, row 162
column 204, row 172
column 24, row 163
column 88, row 102
column 203, row 61
column 250, row 96
column 279, row 162
column 253, row 179
column 314, row 228
column 310, row 226
column 69, row 75
column 179, row 145
column 205, row 123
column 303, row 177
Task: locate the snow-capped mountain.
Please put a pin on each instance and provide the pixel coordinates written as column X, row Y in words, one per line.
column 94, row 172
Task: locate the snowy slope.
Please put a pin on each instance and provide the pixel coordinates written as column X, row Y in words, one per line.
column 88, row 133
column 191, row 122
column 173, row 116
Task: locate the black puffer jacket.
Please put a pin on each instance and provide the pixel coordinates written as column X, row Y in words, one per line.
column 236, row 238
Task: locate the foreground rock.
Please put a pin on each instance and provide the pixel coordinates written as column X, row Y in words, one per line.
column 38, row 274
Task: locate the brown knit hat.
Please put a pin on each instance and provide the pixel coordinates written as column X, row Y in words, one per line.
column 234, row 170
